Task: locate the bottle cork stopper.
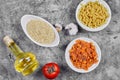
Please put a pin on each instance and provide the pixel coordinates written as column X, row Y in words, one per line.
column 7, row 40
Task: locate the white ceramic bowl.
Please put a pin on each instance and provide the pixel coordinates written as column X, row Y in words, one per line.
column 98, row 28
column 26, row 18
column 67, row 55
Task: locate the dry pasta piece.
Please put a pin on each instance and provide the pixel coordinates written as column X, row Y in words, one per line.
column 83, row 54
column 93, row 14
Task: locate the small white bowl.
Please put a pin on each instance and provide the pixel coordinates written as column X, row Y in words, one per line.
column 26, row 18
column 67, row 55
column 100, row 27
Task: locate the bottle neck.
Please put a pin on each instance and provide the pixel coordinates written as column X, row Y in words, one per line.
column 12, row 46
column 15, row 49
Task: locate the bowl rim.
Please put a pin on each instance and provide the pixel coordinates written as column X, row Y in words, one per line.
column 67, row 57
column 30, row 17
column 100, row 27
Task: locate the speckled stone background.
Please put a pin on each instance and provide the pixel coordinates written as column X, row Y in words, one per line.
column 63, row 12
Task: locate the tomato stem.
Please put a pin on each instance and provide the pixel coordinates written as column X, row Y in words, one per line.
column 51, row 69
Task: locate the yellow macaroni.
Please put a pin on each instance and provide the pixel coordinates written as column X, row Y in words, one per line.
column 93, row 14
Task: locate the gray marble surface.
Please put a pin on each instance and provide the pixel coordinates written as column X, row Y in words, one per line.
column 63, row 12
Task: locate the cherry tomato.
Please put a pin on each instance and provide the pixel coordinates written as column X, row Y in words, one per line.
column 51, row 70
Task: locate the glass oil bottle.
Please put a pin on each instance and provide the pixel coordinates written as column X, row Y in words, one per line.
column 26, row 62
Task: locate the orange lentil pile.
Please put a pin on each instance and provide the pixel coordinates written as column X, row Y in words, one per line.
column 83, row 54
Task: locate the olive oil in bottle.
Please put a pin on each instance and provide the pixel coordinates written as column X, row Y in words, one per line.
column 25, row 62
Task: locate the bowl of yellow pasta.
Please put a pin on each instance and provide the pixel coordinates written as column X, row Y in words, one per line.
column 93, row 15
